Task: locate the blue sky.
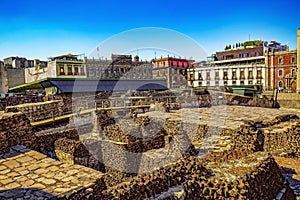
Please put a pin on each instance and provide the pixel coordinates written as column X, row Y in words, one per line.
column 39, row 29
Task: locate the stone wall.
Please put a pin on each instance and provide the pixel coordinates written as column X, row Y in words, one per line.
column 152, row 184
column 38, row 111
column 15, row 128
column 289, row 100
column 239, row 100
column 46, row 140
column 283, row 139
column 75, row 152
column 19, row 99
column 256, row 176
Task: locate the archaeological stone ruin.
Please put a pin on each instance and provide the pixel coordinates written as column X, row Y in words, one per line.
column 148, row 145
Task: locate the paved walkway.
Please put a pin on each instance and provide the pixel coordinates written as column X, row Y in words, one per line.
column 27, row 174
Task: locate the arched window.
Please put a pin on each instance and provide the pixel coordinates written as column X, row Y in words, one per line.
column 280, row 72
column 280, row 84
column 293, row 72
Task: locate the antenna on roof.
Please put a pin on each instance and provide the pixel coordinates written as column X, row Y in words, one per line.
column 98, row 53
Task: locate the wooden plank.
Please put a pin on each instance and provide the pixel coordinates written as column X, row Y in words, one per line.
column 55, row 119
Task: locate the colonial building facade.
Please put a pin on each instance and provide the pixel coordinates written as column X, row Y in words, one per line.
column 241, row 66
column 281, row 70
column 120, row 66
column 250, row 64
column 173, row 69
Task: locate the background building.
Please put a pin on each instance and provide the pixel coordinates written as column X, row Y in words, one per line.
column 14, row 72
column 65, row 66
column 3, row 78
column 281, row 70
column 119, row 66
column 17, row 62
column 173, row 69
column 248, row 64
column 243, row 65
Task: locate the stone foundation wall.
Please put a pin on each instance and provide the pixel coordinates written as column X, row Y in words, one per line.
column 16, row 100
column 38, row 111
column 46, row 140
column 152, row 184
column 15, row 128
column 223, row 98
column 74, row 152
column 283, row 140
column 256, row 176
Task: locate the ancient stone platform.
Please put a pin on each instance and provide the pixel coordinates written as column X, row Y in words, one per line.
column 27, row 174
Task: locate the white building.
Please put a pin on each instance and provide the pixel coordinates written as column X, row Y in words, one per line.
column 234, row 72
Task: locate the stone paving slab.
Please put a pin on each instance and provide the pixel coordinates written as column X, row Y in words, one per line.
column 27, row 174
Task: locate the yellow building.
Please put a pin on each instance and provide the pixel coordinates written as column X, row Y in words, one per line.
column 65, row 66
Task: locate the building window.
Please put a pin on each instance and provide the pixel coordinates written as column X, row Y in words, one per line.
column 76, row 71
column 90, row 72
column 225, row 83
column 97, row 71
column 293, row 59
column 200, row 76
column 81, row 71
column 280, row 84
column 70, row 71
column 192, row 77
column 250, row 75
column 250, row 82
column 293, row 72
column 242, row 75
column 217, row 75
column 256, row 53
column 259, row 74
column 61, row 71
column 280, row 60
column 234, row 82
column 208, row 75
column 217, row 83
column 280, row 73
column 234, row 75
column 225, row 77
column 242, row 83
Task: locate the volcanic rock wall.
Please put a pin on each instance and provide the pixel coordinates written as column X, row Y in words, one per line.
column 255, row 176
column 283, row 139
column 46, row 140
column 38, row 111
column 154, row 183
column 15, row 128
